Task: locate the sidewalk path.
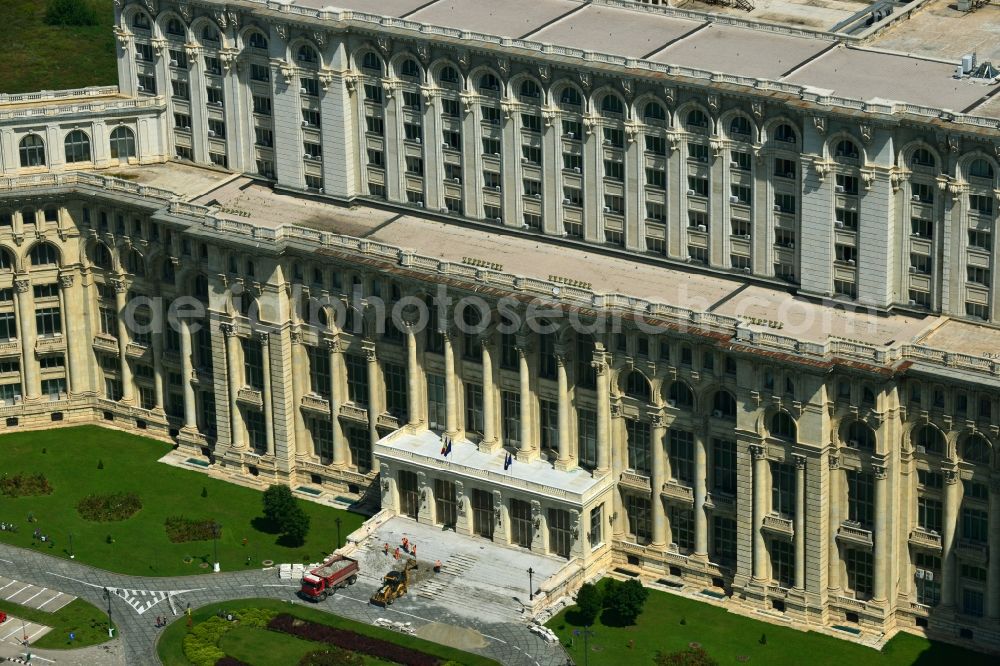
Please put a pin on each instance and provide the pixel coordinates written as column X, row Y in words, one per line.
column 137, row 600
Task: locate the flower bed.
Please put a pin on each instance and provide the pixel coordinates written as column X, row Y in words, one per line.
column 111, row 507
column 230, row 661
column 348, row 640
column 332, row 657
column 181, row 529
column 24, row 485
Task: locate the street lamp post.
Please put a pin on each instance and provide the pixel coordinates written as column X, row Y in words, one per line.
column 107, row 595
column 215, row 545
column 71, row 555
column 531, row 585
column 338, row 521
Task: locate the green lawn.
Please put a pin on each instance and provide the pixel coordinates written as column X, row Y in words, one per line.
column 89, row 623
column 141, row 547
column 726, row 636
column 37, row 56
column 260, row 647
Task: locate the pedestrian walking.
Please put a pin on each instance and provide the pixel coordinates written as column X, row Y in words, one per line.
column 413, row 550
column 385, row 548
column 396, row 553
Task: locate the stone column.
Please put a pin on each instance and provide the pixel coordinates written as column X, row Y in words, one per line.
column 565, row 458
column 300, row 386
column 880, row 578
column 128, row 390
column 952, row 500
column 526, row 451
column 800, row 522
column 603, row 416
column 373, row 394
column 658, row 476
column 341, row 454
column 993, row 574
column 73, row 323
column 26, row 325
column 490, row 440
column 187, row 370
column 412, row 380
column 700, row 490
column 450, row 390
column 233, row 377
column 265, row 352
column 759, row 454
column 157, row 344
column 833, row 583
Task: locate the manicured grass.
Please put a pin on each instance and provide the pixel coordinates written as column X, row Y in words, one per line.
column 141, row 546
column 37, row 56
column 726, row 636
column 261, row 647
column 89, row 623
column 170, row 647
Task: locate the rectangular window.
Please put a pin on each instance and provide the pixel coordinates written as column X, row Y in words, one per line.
column 146, row 84
column 682, row 528
column 360, row 447
column 637, row 433
column 451, row 108
column 614, row 170
column 548, row 413
column 451, row 139
column 573, row 162
column 216, row 129
column 531, row 122
column 697, row 186
column 979, row 275
column 723, row 540
column 319, row 371
column 259, row 72
column 656, row 144
column 980, row 239
column 846, row 184
column 310, row 118
column 928, row 578
column 253, row 364
column 435, row 402
column 180, row 89
column 639, row 518
column 656, row 178
column 975, row 525
column 510, row 417
column 981, row 204
column 262, row 105
column 698, row 152
column 920, row 263
column 396, row 403
column 859, row 572
column 413, row 132
column 782, row 563
column 784, row 168
column 215, row 96
column 929, row 514
column 357, row 378
column 596, row 533
column 782, row 489
column 784, row 203
column 587, row 431
column 860, row 498
column 724, row 465
column 263, row 137
column 740, row 161
column 309, row 87
column 846, row 219
column 48, row 322
column 681, row 451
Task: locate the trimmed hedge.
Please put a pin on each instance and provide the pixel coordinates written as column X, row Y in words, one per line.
column 348, row 640
column 180, row 529
column 201, row 644
column 332, row 657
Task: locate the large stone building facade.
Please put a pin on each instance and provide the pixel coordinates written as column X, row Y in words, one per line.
column 765, row 361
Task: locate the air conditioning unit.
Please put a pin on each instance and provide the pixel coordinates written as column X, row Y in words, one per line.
column 173, row 63
column 498, row 219
column 839, row 189
column 790, row 175
column 913, row 269
column 777, row 208
column 607, row 142
column 139, row 88
column 921, row 449
column 495, row 121
column 734, row 199
column 850, row 262
column 303, row 91
column 456, row 180
column 576, row 169
column 496, row 154
column 305, row 123
column 717, row 413
column 219, row 103
column 702, row 227
column 321, row 190
column 790, row 245
column 569, row 135
column 566, row 200
column 496, row 187
column 911, row 303
column 838, row 224
column 537, row 195
column 734, row 165
column 307, row 156
column 419, row 140
column 746, row 236
column 671, row 402
column 690, row 192
column 853, row 443
column 916, row 197
column 444, row 209
column 746, row 269
column 420, row 204
column 445, row 144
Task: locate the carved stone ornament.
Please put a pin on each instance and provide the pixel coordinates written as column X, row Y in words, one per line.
column 758, row 451
column 821, row 168
column 628, row 87
column 185, row 10
column 585, row 80
column 227, row 329
column 868, row 176
column 424, row 53
column 819, row 122
column 953, row 143
column 287, row 72
column 713, row 103
column 151, row 6
column 66, row 280
column 670, row 96
column 234, row 19
column 222, row 19
column 503, row 64
column 757, row 109
column 834, row 461
column 325, row 79
column 463, row 59
column 320, row 38
column 124, row 37
column 544, row 73
column 549, row 115
column 866, row 133
column 384, row 45
column 282, row 30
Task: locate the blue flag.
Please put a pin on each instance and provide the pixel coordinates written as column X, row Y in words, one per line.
column 508, row 461
column 447, row 450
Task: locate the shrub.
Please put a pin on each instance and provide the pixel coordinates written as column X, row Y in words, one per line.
column 283, row 513
column 106, row 508
column 348, row 640
column 181, row 529
column 694, row 656
column 23, row 485
column 200, row 643
column 70, row 12
column 204, row 491
column 100, row 464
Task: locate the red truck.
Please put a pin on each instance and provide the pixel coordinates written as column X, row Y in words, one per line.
column 333, row 574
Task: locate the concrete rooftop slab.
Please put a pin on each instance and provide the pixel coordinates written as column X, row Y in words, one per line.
column 512, row 18
column 939, row 30
column 813, row 14
column 394, row 8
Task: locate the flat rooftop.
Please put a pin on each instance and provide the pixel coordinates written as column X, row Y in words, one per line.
column 696, row 40
column 939, row 30
column 814, row 14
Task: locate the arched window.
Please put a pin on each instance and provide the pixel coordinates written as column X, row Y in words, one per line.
column 135, row 264
column 860, row 436
column 980, row 168
column 32, row 151
column 122, row 143
column 77, row 147
column 530, row 90
column 248, row 306
column 680, row 396
column 922, row 157
column 44, row 254
column 847, row 148
column 209, row 34
column 167, row 274
column 488, row 83
column 740, row 126
column 611, row 104
column 637, row 386
column 697, row 120
column 724, row 405
column 201, row 288
column 570, row 97
column 6, row 260
column 371, row 62
column 654, row 111
column 786, row 133
column 410, row 69
column 975, row 449
column 102, row 257
column 175, row 28
column 257, row 40
column 783, row 426
column 928, row 439
column 449, row 75
column 140, row 21
column 307, row 54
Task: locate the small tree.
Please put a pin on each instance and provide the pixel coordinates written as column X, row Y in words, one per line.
column 626, row 599
column 70, row 12
column 296, row 526
column 589, row 601
column 278, row 503
column 204, row 491
column 694, row 656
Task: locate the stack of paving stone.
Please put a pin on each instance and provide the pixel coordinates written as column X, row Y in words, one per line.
column 292, row 571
